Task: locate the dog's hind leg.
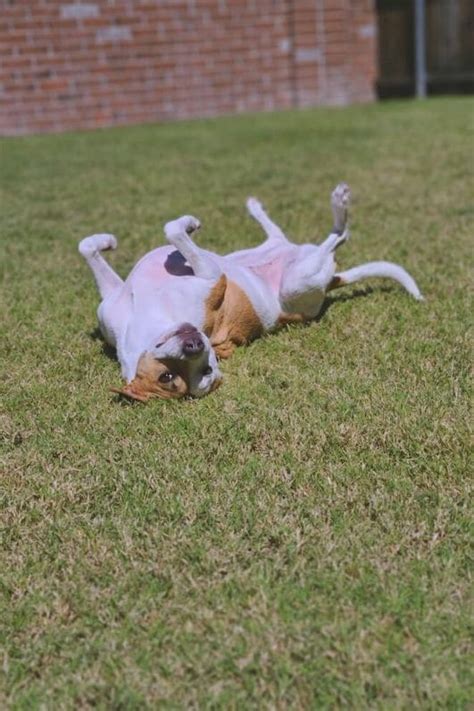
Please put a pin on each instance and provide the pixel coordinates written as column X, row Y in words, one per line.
column 340, row 201
column 106, row 279
column 272, row 230
column 203, row 263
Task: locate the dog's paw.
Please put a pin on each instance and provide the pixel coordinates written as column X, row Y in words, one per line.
column 253, row 205
column 191, row 224
column 341, row 196
column 97, row 243
column 340, row 200
column 186, row 223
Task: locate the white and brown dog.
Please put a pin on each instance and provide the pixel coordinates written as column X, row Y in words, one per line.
column 182, row 308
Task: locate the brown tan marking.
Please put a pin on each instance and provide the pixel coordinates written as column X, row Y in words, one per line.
column 285, row 319
column 230, row 319
column 146, row 384
column 335, row 283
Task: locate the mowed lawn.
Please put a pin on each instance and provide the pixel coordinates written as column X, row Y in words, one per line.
column 301, row 537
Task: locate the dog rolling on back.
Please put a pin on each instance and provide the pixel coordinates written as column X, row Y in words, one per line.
column 182, row 308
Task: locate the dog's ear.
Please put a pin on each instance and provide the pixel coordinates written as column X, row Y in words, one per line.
column 213, row 306
column 132, row 392
column 147, row 384
column 216, row 297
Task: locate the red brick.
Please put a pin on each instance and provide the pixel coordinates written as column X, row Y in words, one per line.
column 96, row 63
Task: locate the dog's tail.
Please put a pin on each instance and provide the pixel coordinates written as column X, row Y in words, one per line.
column 377, row 269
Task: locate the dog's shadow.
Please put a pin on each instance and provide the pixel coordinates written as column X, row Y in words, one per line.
column 107, row 350
column 333, row 299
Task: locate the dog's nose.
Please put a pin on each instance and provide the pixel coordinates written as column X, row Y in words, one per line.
column 193, row 344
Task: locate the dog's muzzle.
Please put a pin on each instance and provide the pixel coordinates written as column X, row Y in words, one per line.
column 192, row 343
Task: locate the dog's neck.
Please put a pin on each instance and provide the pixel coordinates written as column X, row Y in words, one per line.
column 137, row 341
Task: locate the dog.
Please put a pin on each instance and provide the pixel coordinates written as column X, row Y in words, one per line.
column 183, row 308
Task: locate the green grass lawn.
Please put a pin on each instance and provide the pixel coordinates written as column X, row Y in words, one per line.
column 298, row 538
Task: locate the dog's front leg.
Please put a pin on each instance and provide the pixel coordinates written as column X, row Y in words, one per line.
column 201, row 262
column 106, row 279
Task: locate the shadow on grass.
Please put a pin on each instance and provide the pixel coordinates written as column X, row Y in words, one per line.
column 354, row 294
column 107, row 350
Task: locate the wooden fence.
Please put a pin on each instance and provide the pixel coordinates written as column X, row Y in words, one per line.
column 449, row 47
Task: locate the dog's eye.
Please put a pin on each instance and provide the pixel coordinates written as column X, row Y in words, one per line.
column 166, row 377
column 207, row 371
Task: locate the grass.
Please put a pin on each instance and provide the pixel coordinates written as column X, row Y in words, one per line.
column 301, row 537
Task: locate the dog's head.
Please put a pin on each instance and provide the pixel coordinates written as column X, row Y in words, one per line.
column 182, row 363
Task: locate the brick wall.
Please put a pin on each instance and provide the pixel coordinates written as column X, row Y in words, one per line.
column 83, row 64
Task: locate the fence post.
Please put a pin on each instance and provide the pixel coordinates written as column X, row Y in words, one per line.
column 420, row 48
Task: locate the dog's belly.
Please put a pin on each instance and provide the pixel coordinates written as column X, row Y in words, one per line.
column 270, row 273
column 267, row 261
column 165, row 270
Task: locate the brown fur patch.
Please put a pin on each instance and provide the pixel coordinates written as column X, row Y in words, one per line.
column 231, row 319
column 146, row 384
column 285, row 319
column 335, row 283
